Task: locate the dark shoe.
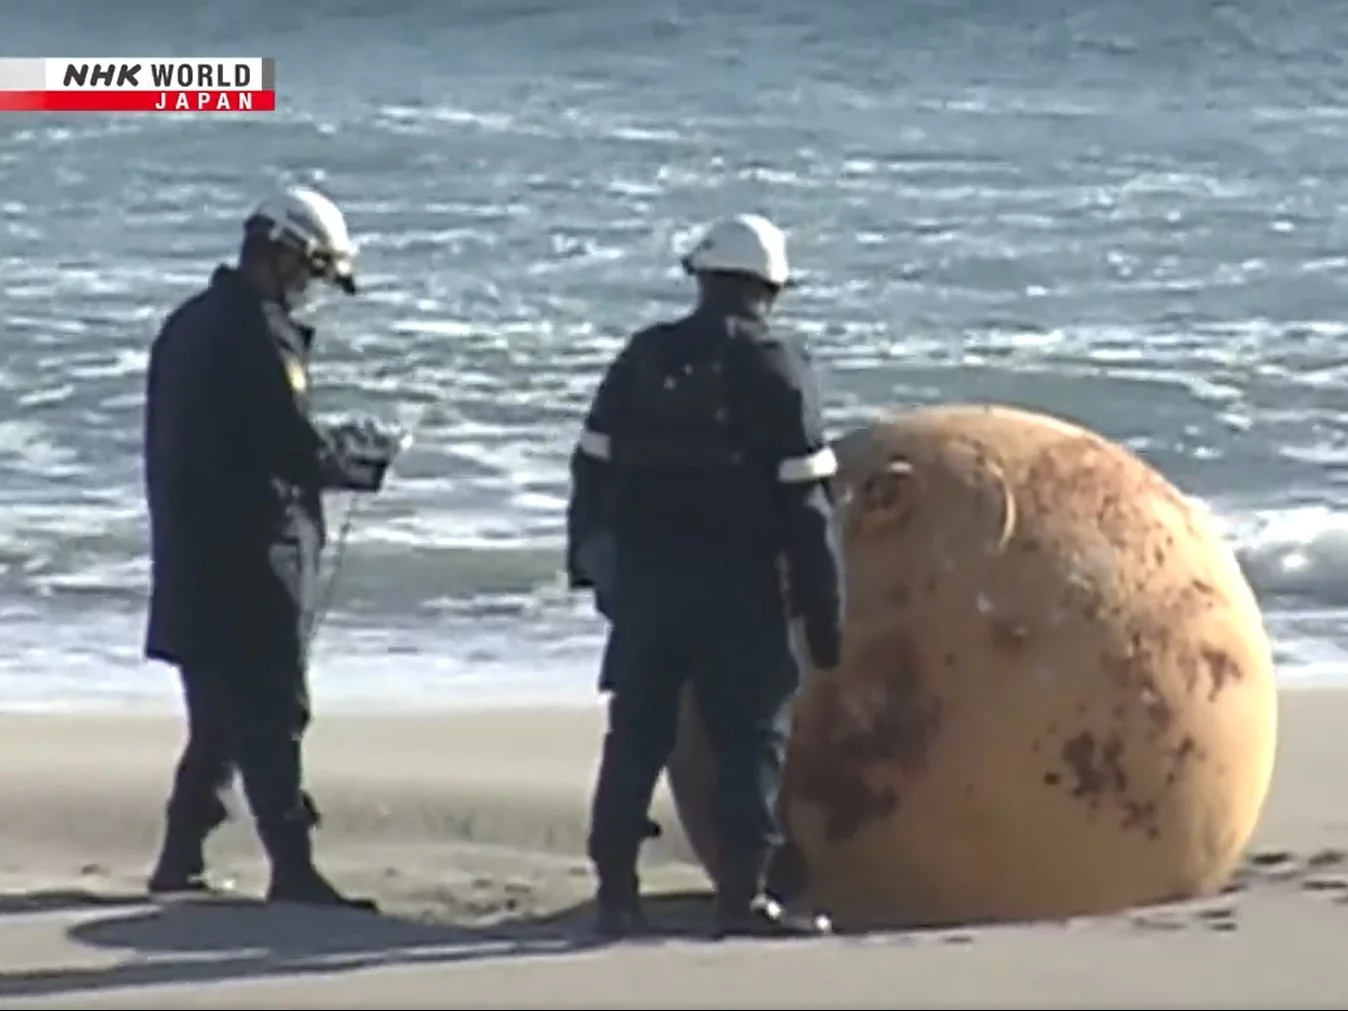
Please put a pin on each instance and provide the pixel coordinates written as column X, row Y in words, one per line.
column 765, row 918
column 618, row 911
column 181, row 866
column 311, row 888
column 294, row 878
column 165, row 882
column 178, row 872
column 171, row 880
column 613, row 923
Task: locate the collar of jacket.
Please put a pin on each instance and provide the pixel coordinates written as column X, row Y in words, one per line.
column 731, row 308
column 235, row 284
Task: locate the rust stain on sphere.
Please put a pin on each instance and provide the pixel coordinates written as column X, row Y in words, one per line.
column 1057, row 696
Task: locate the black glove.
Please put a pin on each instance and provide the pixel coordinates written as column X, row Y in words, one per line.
column 597, row 563
column 824, row 640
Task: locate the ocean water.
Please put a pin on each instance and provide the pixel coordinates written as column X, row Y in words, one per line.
column 1127, row 213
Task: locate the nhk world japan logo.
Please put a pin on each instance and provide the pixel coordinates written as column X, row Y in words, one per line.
column 138, row 84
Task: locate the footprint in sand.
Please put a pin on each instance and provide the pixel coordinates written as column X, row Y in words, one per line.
column 1222, row 920
column 1280, row 866
column 1320, row 883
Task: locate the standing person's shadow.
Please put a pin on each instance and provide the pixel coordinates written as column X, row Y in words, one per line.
column 219, row 939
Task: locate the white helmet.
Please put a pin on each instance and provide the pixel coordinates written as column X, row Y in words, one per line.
column 745, row 244
column 310, row 223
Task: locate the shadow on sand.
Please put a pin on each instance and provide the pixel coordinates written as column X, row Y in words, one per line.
column 229, row 939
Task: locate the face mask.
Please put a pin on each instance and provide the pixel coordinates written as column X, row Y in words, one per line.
column 293, row 293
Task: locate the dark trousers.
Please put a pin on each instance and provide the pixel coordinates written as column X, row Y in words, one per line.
column 688, row 616
column 252, row 723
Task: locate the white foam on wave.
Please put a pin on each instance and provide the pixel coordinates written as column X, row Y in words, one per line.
column 422, row 119
column 543, row 644
column 29, row 447
column 463, row 529
column 1300, row 551
column 101, row 578
column 52, row 396
column 115, row 363
column 1296, row 559
column 97, row 663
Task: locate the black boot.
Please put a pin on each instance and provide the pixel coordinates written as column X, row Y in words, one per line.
column 618, row 911
column 620, row 824
column 181, row 866
column 295, row 878
column 742, row 910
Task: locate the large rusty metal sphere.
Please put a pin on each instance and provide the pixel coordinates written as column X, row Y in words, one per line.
column 1057, row 694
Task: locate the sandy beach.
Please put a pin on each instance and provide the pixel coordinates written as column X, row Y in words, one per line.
column 468, row 827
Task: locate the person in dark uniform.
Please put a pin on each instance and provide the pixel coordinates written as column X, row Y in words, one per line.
column 703, row 458
column 234, row 470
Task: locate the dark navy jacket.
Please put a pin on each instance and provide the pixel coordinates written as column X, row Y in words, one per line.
column 234, row 470
column 763, row 492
